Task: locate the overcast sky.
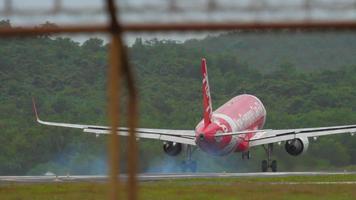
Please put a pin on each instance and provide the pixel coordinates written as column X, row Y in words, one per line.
column 41, row 5
column 195, row 10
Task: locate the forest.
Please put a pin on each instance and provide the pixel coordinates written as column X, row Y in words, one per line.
column 303, row 79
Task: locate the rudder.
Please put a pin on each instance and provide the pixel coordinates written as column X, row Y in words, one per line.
column 207, row 106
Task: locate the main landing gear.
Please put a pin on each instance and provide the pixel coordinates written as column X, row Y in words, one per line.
column 246, row 155
column 269, row 163
column 189, row 164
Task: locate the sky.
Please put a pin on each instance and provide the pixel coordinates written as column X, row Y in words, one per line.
column 41, row 5
column 194, row 11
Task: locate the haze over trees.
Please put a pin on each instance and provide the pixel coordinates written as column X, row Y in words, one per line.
column 303, row 79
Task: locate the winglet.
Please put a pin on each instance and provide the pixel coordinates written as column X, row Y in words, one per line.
column 34, row 108
column 206, row 94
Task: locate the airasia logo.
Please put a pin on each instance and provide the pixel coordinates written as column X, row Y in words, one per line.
column 207, row 93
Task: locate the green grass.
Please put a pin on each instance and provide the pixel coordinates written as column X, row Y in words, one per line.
column 200, row 188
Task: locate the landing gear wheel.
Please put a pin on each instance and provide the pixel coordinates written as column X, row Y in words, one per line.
column 246, row 155
column 189, row 164
column 267, row 163
column 264, row 165
column 274, row 166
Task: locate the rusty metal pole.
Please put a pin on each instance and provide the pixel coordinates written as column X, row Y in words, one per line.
column 119, row 66
column 182, row 27
column 132, row 123
column 113, row 94
column 114, row 74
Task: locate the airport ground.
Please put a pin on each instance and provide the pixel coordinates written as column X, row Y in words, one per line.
column 335, row 186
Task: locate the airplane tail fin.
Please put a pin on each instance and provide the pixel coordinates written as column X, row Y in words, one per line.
column 206, row 94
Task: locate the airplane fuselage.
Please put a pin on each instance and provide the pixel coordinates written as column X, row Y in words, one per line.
column 243, row 112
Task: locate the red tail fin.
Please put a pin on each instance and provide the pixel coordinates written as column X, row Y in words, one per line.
column 206, row 94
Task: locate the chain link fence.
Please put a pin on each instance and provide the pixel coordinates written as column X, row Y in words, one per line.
column 93, row 16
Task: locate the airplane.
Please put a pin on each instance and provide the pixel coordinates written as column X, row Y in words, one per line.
column 236, row 126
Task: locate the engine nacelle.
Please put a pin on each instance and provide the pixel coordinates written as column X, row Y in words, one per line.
column 172, row 148
column 297, row 146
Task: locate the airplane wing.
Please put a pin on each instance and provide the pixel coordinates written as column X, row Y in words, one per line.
column 272, row 136
column 179, row 136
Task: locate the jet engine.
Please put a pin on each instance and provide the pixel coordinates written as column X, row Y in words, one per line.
column 297, row 146
column 172, row 148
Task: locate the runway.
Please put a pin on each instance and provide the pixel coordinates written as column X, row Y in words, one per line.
column 155, row 177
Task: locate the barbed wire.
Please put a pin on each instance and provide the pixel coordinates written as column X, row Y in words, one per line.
column 199, row 10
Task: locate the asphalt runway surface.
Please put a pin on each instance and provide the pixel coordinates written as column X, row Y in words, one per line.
column 159, row 176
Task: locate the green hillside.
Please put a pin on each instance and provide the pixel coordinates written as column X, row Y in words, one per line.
column 267, row 50
column 68, row 80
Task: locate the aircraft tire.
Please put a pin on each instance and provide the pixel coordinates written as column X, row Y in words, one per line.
column 248, row 155
column 274, row 166
column 264, row 166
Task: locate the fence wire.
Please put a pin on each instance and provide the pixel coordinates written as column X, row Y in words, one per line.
column 157, row 15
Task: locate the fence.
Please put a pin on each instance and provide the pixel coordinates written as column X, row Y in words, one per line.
column 256, row 15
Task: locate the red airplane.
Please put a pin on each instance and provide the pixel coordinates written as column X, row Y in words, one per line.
column 235, row 126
